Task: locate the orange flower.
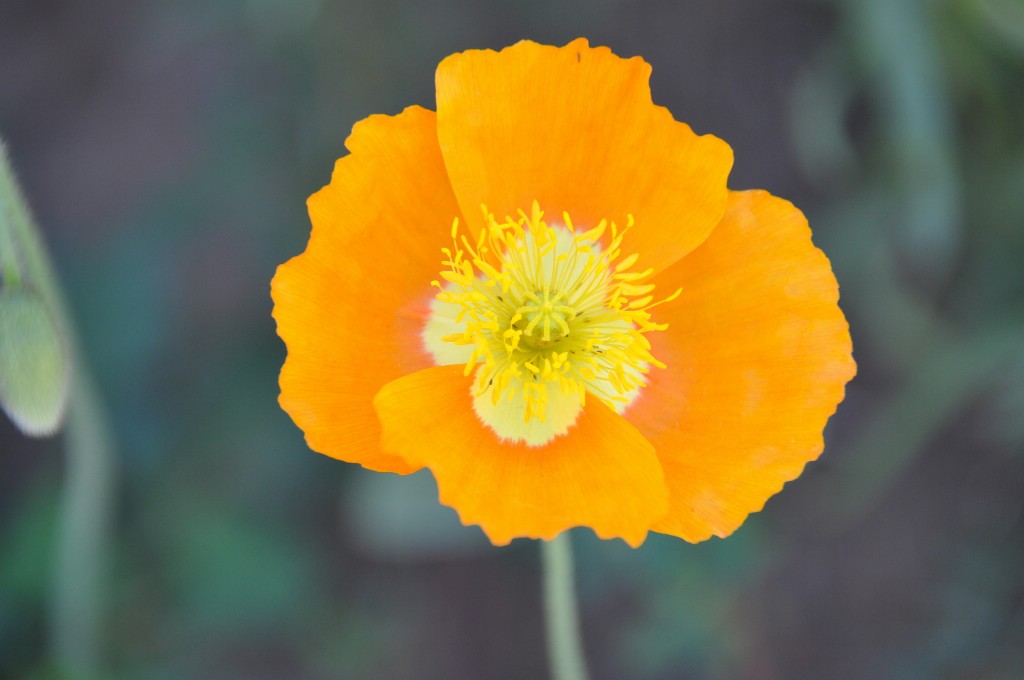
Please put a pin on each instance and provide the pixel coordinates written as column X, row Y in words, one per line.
column 545, row 294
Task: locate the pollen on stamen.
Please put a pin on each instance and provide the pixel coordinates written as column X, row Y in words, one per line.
column 550, row 314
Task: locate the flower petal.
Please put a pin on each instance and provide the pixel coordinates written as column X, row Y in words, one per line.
column 758, row 355
column 575, row 129
column 602, row 474
column 352, row 306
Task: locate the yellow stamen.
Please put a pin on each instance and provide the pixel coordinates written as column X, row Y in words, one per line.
column 546, row 307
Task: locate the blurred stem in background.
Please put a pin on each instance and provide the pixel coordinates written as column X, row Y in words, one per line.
column 896, row 45
column 905, row 215
column 561, row 610
column 84, row 531
column 42, row 376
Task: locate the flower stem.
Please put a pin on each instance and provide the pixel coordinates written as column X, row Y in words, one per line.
column 561, row 612
column 84, row 533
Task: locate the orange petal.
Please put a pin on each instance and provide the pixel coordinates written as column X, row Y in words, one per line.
column 351, row 307
column 602, row 474
column 758, row 355
column 574, row 128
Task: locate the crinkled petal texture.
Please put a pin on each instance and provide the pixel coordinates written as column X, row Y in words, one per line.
column 757, row 349
column 602, row 474
column 758, row 355
column 574, row 128
column 351, row 307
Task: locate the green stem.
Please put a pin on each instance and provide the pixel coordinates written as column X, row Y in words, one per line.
column 561, row 612
column 83, row 533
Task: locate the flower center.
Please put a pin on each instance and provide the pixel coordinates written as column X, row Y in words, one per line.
column 547, row 316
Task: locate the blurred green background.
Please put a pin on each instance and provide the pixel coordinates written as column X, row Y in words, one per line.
column 167, row 149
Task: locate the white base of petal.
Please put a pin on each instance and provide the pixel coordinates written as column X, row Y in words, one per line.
column 508, row 421
column 440, row 324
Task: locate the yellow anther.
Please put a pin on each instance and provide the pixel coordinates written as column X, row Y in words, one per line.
column 545, row 306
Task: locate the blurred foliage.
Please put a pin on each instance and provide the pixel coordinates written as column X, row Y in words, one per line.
column 168, row 148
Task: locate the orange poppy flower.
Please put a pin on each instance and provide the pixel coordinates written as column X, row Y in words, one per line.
column 545, row 294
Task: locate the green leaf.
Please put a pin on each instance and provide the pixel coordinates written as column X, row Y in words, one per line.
column 33, row 363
